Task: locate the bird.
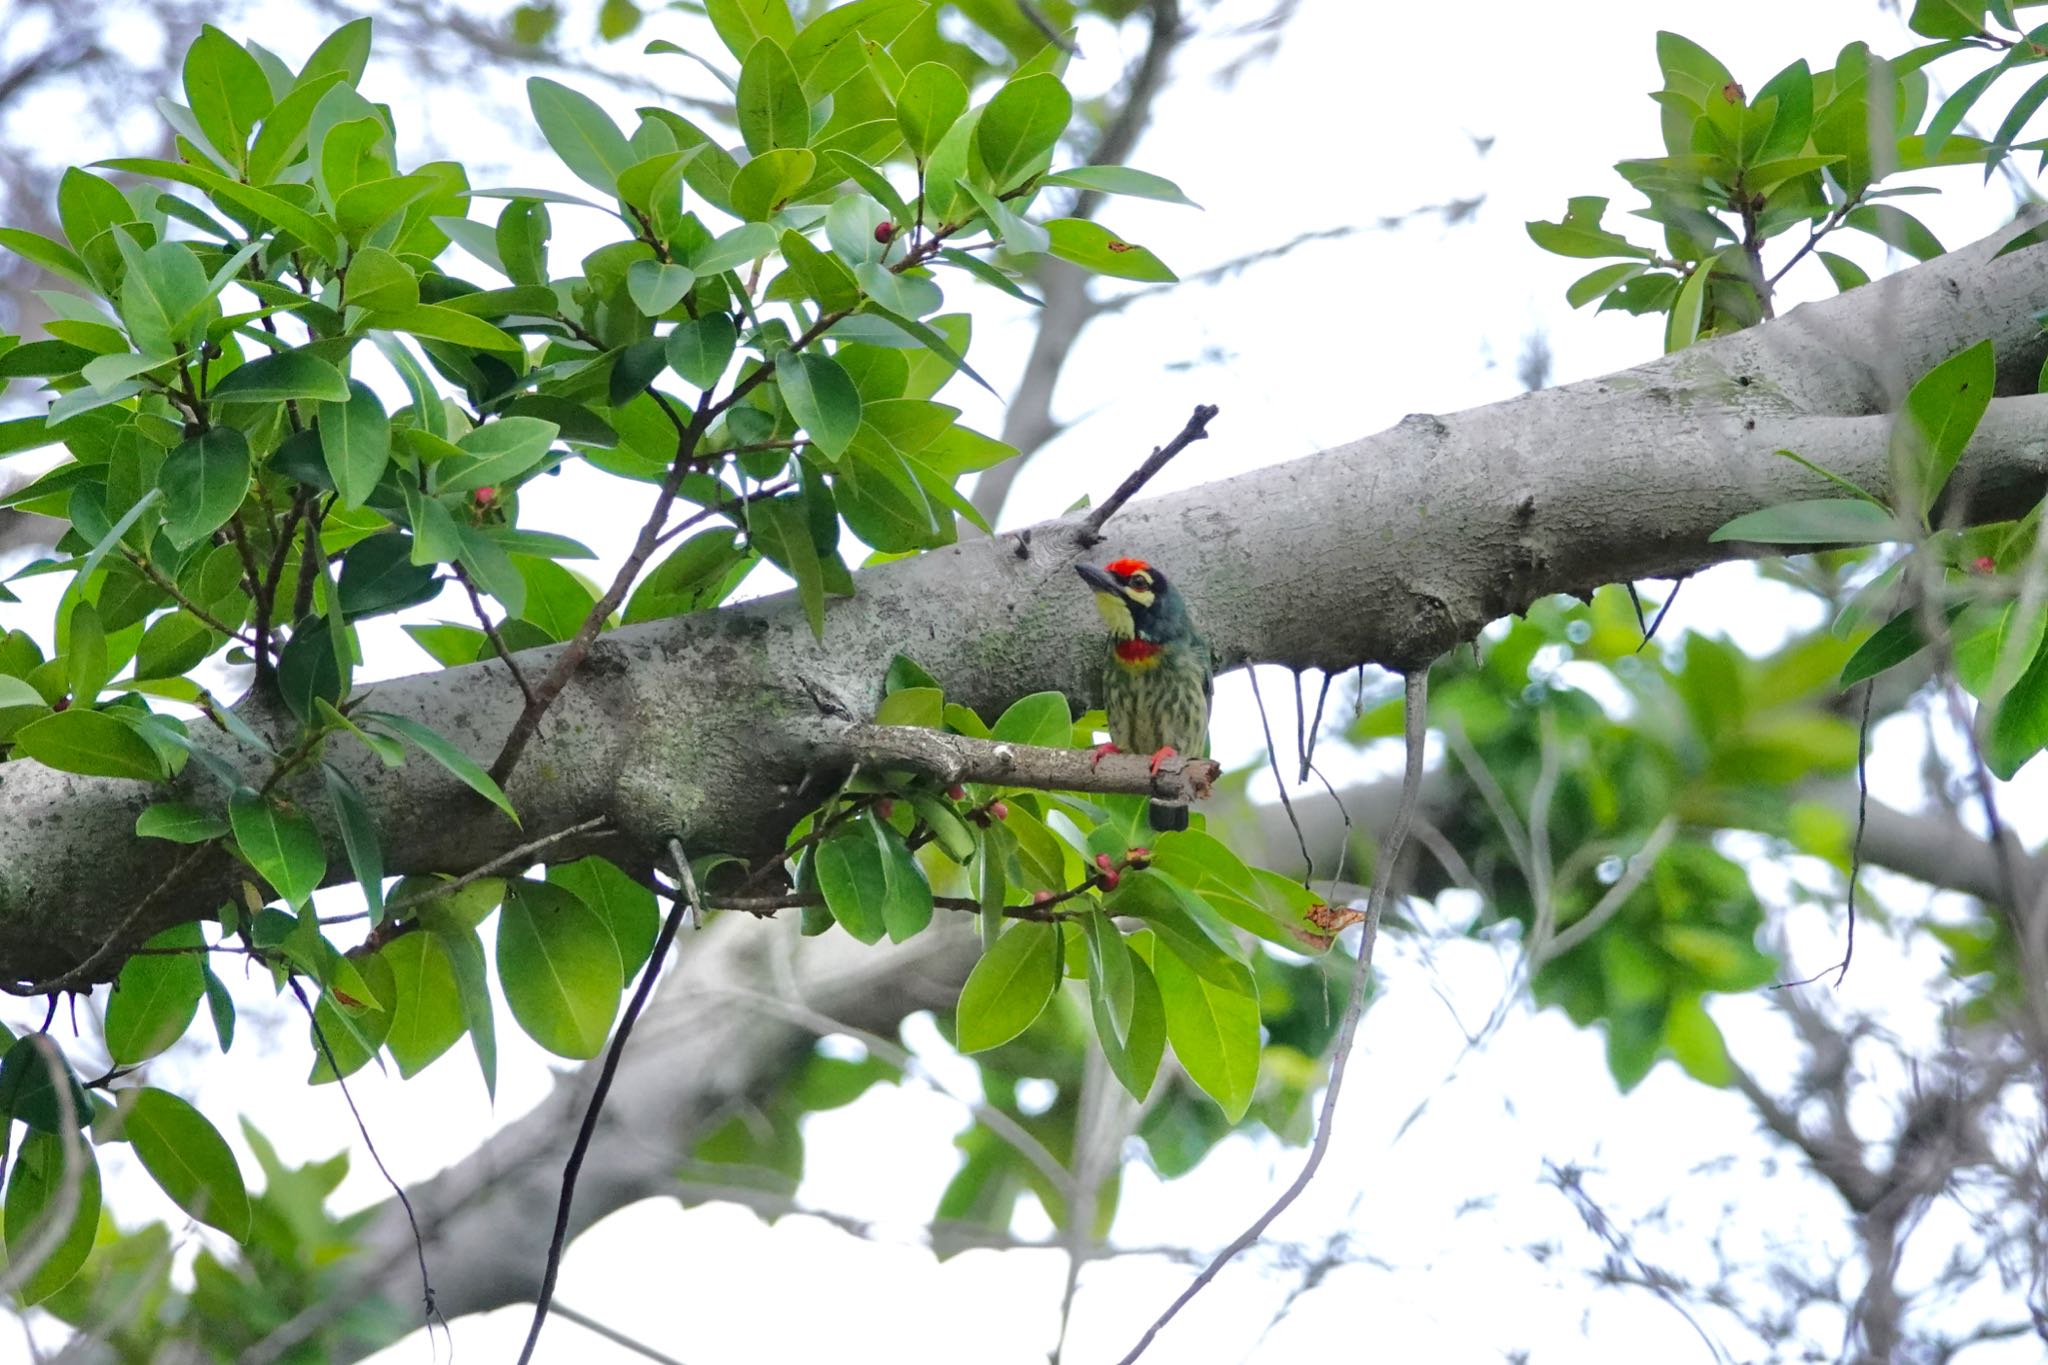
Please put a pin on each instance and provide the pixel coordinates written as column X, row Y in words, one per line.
column 1157, row 676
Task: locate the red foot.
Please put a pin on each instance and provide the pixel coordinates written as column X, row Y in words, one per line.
column 1165, row 753
column 1102, row 751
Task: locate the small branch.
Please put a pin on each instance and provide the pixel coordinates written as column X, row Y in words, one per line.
column 511, row 857
column 952, row 759
column 200, row 614
column 490, row 629
column 1340, row 1054
column 81, row 974
column 680, row 903
column 1197, row 429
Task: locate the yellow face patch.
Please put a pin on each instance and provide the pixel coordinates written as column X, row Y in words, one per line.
column 1140, row 589
column 1117, row 614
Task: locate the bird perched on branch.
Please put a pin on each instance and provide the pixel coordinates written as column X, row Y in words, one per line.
column 1156, row 685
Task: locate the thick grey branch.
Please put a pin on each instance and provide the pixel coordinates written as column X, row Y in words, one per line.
column 1390, row 549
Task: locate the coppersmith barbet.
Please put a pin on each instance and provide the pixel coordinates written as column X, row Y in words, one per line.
column 1156, row 681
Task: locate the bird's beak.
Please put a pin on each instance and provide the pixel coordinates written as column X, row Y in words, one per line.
column 1099, row 580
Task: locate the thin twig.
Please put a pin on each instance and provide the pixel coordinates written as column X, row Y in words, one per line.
column 1197, row 429
column 490, row 629
column 419, row 1243
column 1354, row 1009
column 679, row 905
column 77, row 976
column 1855, row 848
column 1662, row 612
column 614, row 1335
column 177, row 594
column 1305, row 737
column 1308, row 862
column 523, row 853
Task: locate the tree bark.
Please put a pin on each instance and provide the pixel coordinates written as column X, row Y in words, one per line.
column 1391, row 549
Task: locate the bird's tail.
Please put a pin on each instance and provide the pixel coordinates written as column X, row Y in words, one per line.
column 1168, row 815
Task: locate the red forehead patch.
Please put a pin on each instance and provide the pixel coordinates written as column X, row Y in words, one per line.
column 1124, row 568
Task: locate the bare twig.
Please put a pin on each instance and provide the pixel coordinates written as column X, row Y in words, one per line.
column 952, row 758
column 490, row 629
column 680, row 903
column 511, row 857
column 615, row 1336
column 1197, row 429
column 1354, row 1009
column 1308, row 862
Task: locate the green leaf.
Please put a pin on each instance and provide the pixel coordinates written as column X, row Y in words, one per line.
column 289, row 374
column 906, row 895
column 85, row 655
column 743, row 23
column 627, row 909
column 283, row 846
column 204, row 481
column 1120, row 180
column 1695, row 1042
column 850, row 874
column 162, row 290
column 772, row 110
column 90, row 742
column 780, row 530
column 227, row 91
column 499, row 452
column 1042, row 718
column 179, row 822
column 155, row 997
column 1094, row 247
column 1896, row 228
column 378, row 575
column 745, row 243
column 559, row 966
column 821, row 397
column 1814, row 521
column 932, row 100
column 1844, row 272
column 36, row 1191
column 771, row 180
column 1009, row 987
column 2020, row 729
column 1682, row 329
column 1020, row 126
column 54, row 257
column 581, row 133
column 1892, row 643
column 37, row 1086
column 656, row 286
column 312, row 671
column 696, row 574
column 355, row 441
column 438, row 323
column 1133, row 1041
column 1579, row 233
column 444, row 753
column 1940, row 415
column 359, row 836
column 352, row 1017
column 700, row 349
column 189, row 1159
column 1214, row 1031
column 465, row 952
column 426, row 1004
column 313, row 231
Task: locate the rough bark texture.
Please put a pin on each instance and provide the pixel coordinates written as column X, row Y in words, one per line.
column 1390, row 549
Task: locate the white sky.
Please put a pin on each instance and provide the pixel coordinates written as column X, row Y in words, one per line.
column 1364, row 113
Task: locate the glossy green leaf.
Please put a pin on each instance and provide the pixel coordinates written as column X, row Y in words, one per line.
column 772, row 110
column 426, row 1005
column 1042, row 718
column 1940, row 415
column 1121, row 180
column 282, row 845
column 1682, row 328
column 289, row 374
column 498, row 453
column 700, row 349
column 156, row 996
column 180, row 822
column 227, row 90
column 1009, row 987
column 204, row 481
column 1815, row 521
column 1214, row 1031
column 40, row 1186
column 581, row 133
column 1020, row 126
column 188, row 1159
column 90, row 742
column 1094, row 247
column 779, row 529
column 2020, row 728
column 932, row 100
column 444, row 753
column 348, row 1028
column 849, row 870
column 821, row 397
column 770, row 181
column 559, row 966
column 359, row 836
column 627, row 908
column 656, row 286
